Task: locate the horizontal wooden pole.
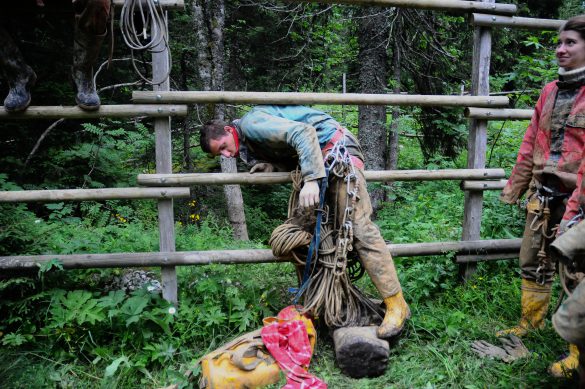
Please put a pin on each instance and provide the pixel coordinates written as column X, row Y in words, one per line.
column 514, row 21
column 487, row 257
column 169, row 4
column 92, row 194
column 484, row 185
column 112, row 111
column 438, row 5
column 498, row 114
column 187, row 179
column 221, row 97
column 190, row 258
column 467, row 247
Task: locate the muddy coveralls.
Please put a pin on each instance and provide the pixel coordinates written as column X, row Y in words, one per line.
column 297, row 135
column 91, row 18
column 569, row 249
column 546, row 170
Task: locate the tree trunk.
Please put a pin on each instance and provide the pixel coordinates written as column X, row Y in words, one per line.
column 392, row 161
column 372, row 36
column 209, row 21
column 185, row 128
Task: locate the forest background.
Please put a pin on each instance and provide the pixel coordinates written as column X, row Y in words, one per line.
column 79, row 329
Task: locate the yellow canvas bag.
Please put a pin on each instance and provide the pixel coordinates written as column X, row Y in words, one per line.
column 244, row 363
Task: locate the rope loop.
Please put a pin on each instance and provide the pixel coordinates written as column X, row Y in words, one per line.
column 144, row 26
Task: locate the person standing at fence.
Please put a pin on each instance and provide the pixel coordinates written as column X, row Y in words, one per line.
column 91, row 19
column 546, row 170
column 291, row 135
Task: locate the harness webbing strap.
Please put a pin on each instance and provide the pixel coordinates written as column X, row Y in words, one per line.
column 315, row 241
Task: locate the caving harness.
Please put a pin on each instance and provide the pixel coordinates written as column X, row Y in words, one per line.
column 539, row 206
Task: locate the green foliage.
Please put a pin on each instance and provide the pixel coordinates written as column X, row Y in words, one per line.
column 101, row 156
column 570, row 8
column 266, row 208
column 533, row 68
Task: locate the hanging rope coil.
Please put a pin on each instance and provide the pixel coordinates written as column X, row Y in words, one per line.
column 144, row 27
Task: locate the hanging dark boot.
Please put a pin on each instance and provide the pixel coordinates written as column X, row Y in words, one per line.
column 86, row 49
column 18, row 98
column 20, row 77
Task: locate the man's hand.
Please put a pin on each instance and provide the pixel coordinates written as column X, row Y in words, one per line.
column 262, row 167
column 309, row 195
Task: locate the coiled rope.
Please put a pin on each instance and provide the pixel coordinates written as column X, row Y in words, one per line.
column 328, row 292
column 145, row 27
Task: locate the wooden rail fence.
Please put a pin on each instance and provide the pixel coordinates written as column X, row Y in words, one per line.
column 480, row 107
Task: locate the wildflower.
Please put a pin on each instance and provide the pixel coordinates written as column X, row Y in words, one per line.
column 172, row 311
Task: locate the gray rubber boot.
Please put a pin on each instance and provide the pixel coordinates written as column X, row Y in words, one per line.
column 86, row 50
column 20, row 77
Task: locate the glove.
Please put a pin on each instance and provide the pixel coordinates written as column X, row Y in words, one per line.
column 262, row 167
column 513, row 349
column 563, row 227
column 309, row 195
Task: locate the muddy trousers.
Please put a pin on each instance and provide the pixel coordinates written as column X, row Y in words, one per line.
column 531, row 245
column 569, row 322
column 368, row 242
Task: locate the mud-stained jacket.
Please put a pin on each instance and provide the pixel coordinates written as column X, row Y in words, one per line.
column 287, row 135
column 533, row 158
column 577, row 199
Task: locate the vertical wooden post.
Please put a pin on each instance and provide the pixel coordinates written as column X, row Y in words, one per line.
column 162, row 130
column 477, row 141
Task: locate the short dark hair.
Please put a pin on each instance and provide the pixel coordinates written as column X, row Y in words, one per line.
column 576, row 23
column 212, row 130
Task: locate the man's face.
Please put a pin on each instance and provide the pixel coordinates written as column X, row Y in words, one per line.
column 225, row 145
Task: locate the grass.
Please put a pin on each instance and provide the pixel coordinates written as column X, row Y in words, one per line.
column 433, row 352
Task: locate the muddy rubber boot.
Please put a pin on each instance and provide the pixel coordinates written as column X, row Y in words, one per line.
column 18, row 98
column 20, row 77
column 566, row 366
column 535, row 301
column 86, row 50
column 397, row 312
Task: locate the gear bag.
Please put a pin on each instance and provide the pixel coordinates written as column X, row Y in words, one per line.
column 243, row 363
